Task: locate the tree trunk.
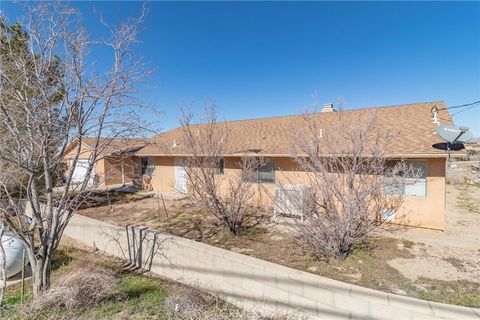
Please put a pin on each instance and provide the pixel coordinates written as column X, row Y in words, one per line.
column 41, row 273
column 3, row 277
column 342, row 256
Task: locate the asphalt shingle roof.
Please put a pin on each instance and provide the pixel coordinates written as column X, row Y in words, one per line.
column 116, row 146
column 415, row 131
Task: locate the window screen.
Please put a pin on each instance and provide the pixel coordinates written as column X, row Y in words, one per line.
column 263, row 174
column 266, row 173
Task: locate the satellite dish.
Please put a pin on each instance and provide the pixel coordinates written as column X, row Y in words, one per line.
column 453, row 134
column 449, row 146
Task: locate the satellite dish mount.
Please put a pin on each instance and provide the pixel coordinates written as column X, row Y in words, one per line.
column 454, row 136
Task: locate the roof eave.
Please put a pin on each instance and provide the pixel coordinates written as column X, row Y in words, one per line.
column 286, row 155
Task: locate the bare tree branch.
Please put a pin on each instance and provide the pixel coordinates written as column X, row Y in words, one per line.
column 346, row 168
column 225, row 196
column 51, row 95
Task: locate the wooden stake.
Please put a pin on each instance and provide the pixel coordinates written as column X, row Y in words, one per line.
column 165, row 207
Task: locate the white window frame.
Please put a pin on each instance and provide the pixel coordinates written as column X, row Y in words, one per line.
column 423, row 179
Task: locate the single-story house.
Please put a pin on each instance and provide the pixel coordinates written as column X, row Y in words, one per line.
column 424, row 205
column 161, row 159
column 115, row 164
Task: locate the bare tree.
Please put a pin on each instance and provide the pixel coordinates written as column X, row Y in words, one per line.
column 353, row 186
column 53, row 92
column 225, row 196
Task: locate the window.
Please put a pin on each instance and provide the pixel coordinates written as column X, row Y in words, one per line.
column 148, row 166
column 411, row 187
column 265, row 173
column 219, row 169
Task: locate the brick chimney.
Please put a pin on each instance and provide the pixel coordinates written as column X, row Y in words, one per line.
column 328, row 108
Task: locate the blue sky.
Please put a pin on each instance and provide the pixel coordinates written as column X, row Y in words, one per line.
column 260, row 59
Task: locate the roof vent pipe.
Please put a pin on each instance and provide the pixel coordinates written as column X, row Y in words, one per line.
column 328, row 108
column 320, row 134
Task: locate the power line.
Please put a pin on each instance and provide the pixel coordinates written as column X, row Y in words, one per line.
column 472, row 106
column 461, row 106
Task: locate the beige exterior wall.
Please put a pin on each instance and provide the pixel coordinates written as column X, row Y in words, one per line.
column 164, row 179
column 107, row 171
column 429, row 211
column 425, row 212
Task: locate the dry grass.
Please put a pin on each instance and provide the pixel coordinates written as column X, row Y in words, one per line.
column 182, row 218
column 107, row 198
column 467, row 199
column 89, row 285
column 457, row 263
column 461, row 292
column 80, row 288
column 187, row 303
column 190, row 303
column 407, row 243
column 367, row 265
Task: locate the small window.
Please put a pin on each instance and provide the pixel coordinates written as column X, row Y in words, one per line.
column 411, row 187
column 220, row 168
column 148, row 166
column 265, row 173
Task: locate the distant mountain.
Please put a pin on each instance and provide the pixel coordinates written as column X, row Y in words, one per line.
column 475, row 140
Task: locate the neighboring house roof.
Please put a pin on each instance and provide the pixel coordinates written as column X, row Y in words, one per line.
column 416, row 132
column 112, row 146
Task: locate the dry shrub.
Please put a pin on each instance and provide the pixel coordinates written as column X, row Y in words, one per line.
column 187, row 303
column 80, row 288
column 190, row 303
column 225, row 196
column 353, row 184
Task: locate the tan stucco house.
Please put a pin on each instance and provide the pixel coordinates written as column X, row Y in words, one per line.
column 424, row 206
column 116, row 162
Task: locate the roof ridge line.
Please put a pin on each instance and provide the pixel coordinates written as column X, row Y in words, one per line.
column 300, row 114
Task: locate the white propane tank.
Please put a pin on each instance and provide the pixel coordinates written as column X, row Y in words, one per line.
column 14, row 248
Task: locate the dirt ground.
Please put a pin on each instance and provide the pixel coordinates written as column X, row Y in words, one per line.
column 450, row 255
column 432, row 265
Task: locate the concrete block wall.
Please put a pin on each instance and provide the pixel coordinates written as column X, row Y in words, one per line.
column 254, row 284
